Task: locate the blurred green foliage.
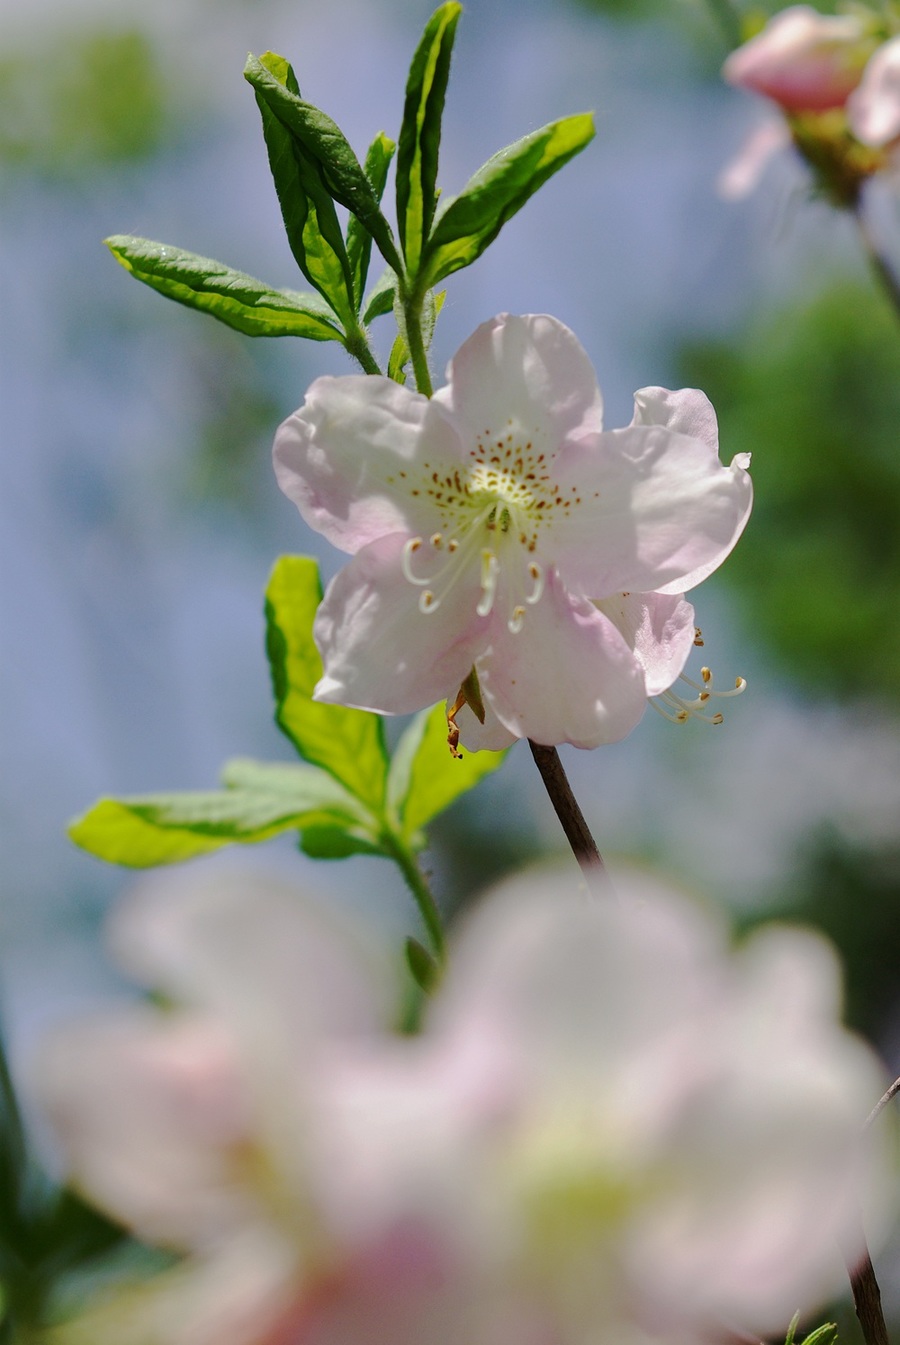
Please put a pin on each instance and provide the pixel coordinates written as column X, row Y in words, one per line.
column 814, row 393
column 83, row 100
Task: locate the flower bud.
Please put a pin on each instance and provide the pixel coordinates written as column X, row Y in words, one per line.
column 803, row 60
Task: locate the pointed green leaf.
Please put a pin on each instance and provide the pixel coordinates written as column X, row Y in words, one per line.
column 150, row 829
column 380, row 299
column 348, row 743
column 472, row 220
column 359, row 240
column 317, row 137
column 424, row 778
column 420, row 134
column 248, row 305
column 310, row 219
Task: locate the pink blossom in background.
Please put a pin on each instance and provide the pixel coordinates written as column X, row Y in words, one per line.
column 803, row 60
column 498, row 526
column 610, row 1129
column 874, row 107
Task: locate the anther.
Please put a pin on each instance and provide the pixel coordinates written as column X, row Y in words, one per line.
column 409, row 550
column 436, row 540
column 698, row 637
column 516, row 621
column 428, row 602
column 538, row 578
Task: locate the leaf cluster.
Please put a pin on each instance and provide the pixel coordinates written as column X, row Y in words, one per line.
column 315, row 169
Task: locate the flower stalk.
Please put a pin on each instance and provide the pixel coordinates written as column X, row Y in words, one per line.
column 423, row 896
column 571, row 818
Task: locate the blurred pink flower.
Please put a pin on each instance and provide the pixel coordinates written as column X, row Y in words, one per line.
column 498, row 526
column 803, row 60
column 609, row 1129
column 874, row 107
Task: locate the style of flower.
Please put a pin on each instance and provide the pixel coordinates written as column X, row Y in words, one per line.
column 837, row 80
column 610, row 1128
column 496, row 528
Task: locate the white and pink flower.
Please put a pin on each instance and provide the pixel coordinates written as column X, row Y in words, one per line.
column 498, row 526
column 610, row 1128
column 803, row 60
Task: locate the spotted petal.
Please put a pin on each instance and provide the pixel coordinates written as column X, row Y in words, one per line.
column 379, row 650
column 358, row 457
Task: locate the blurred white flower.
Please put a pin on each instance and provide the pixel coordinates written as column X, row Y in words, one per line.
column 610, row 1129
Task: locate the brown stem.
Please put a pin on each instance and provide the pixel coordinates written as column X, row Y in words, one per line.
column 867, row 1301
column 883, row 271
column 866, row 1293
column 565, row 805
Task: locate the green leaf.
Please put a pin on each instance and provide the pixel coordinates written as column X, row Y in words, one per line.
column 359, row 240
column 380, row 299
column 310, row 219
column 150, row 829
column 348, row 743
column 398, row 359
column 248, row 305
column 425, row 971
column 420, row 134
column 424, row 778
column 336, row 842
column 472, row 220
column 317, row 137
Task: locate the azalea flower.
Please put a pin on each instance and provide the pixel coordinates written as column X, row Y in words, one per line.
column 609, row 1129
column 497, row 529
column 803, row 60
column 837, row 81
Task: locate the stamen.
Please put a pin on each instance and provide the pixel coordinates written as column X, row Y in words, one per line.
column 490, row 569
column 698, row 637
column 436, row 539
column 516, row 621
column 539, row 579
column 409, row 550
column 682, row 710
column 428, row 602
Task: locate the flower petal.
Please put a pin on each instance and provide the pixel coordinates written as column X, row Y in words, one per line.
column 873, row 110
column 658, row 509
column 379, row 650
column 803, row 60
column 567, row 677
column 193, row 935
column 149, row 1113
column 659, row 628
column 530, row 369
column 491, row 736
column 344, row 459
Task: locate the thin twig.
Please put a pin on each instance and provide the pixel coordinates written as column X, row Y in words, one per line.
column 882, row 270
column 882, row 1102
column 571, row 818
